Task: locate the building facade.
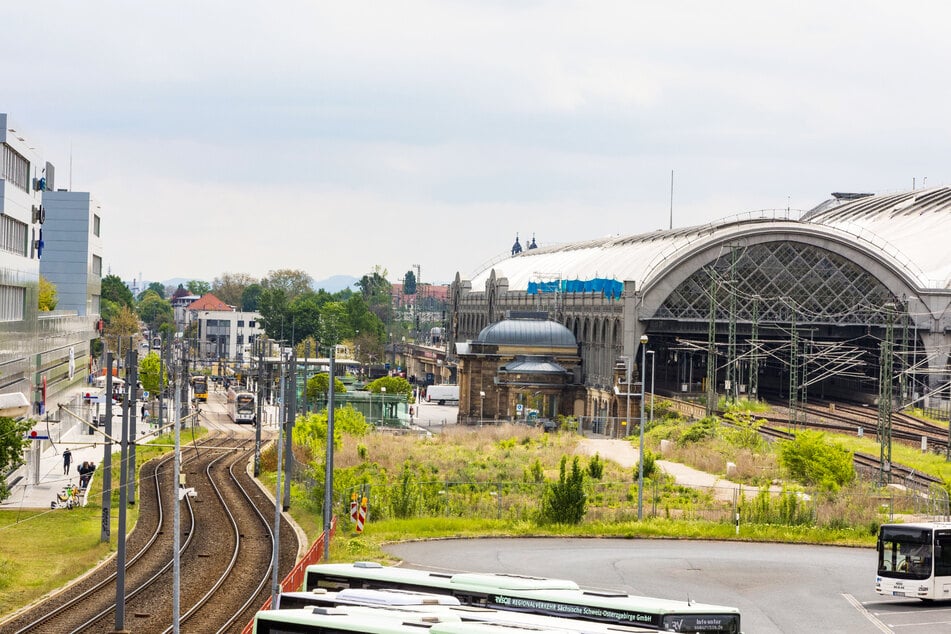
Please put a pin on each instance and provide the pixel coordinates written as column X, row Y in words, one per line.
column 42, row 354
column 72, row 257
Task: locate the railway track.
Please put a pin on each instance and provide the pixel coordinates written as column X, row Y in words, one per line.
column 225, row 552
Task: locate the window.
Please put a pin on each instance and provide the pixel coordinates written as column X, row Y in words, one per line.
column 95, row 225
column 251, row 324
column 96, row 306
column 12, row 299
column 97, row 265
column 240, row 323
column 12, row 235
column 14, row 167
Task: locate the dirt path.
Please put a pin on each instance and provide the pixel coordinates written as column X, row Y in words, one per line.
column 625, row 454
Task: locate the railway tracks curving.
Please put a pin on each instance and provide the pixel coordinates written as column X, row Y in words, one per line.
column 225, row 552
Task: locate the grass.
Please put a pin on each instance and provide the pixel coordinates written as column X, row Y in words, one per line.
column 44, row 550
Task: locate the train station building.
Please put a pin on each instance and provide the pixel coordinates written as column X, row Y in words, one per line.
column 764, row 304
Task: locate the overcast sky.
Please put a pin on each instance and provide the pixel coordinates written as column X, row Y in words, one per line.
column 337, row 136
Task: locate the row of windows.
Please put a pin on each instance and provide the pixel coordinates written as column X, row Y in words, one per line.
column 14, row 168
column 12, row 235
column 12, row 300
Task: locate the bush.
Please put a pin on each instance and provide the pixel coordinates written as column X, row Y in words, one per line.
column 701, row 430
column 812, row 460
column 564, row 501
column 650, row 465
column 596, row 467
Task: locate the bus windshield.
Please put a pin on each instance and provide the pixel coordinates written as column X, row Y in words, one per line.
column 905, row 552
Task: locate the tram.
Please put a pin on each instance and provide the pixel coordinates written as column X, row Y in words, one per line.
column 243, row 408
column 914, row 560
column 200, row 388
column 553, row 597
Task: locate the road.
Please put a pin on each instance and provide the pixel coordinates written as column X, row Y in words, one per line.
column 777, row 587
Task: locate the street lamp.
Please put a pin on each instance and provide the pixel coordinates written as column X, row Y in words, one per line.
column 640, row 461
column 481, row 406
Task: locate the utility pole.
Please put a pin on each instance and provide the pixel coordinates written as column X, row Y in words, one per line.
column 290, row 407
column 754, row 351
column 107, row 458
column 712, row 347
column 885, row 397
column 731, row 371
column 132, row 378
column 329, row 467
column 258, row 419
column 793, row 370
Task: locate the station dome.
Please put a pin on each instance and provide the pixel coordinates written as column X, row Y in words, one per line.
column 527, row 332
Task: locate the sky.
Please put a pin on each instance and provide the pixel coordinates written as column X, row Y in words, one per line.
column 338, row 137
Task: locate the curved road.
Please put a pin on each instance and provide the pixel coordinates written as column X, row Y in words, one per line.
column 777, row 587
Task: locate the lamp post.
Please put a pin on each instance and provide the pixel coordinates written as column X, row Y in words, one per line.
column 382, row 400
column 481, row 406
column 640, row 460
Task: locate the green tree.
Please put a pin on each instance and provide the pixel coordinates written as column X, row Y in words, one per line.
column 115, row 290
column 813, row 460
column 198, row 287
column 317, row 386
column 155, row 311
column 12, row 444
column 47, row 295
column 230, row 287
column 393, row 385
column 156, row 287
column 251, row 296
column 564, row 501
column 153, row 376
column 310, row 430
column 409, row 283
column 377, row 293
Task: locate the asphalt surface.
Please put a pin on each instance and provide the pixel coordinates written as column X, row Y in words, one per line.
column 777, row 587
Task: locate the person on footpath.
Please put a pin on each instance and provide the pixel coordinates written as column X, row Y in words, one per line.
column 67, row 458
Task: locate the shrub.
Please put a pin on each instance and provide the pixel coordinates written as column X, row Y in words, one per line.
column 564, row 501
column 596, row 467
column 812, row 460
column 650, row 465
column 702, row 429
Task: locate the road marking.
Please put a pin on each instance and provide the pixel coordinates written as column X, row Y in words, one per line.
column 871, row 617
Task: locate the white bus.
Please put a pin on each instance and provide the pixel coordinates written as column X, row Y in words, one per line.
column 537, row 595
column 442, row 394
column 914, row 560
column 382, row 619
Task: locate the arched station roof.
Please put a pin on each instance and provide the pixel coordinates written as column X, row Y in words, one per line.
column 900, row 235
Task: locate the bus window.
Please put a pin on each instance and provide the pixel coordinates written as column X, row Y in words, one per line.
column 942, row 554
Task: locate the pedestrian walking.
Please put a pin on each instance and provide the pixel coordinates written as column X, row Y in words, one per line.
column 67, row 458
column 85, row 474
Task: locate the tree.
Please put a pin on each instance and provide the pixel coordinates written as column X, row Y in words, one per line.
column 318, row 384
column 155, row 311
column 198, row 287
column 153, row 376
column 251, row 297
column 13, row 441
column 115, row 290
column 47, row 295
column 310, row 430
column 393, row 385
column 156, row 287
column 409, row 283
column 293, row 282
column 123, row 325
column 230, row 287
column 273, row 306
column 377, row 293
column 564, row 501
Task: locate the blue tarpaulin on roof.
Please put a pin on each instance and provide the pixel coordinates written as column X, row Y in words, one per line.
column 609, row 288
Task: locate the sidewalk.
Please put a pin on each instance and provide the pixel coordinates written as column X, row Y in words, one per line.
column 35, row 484
column 624, row 453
